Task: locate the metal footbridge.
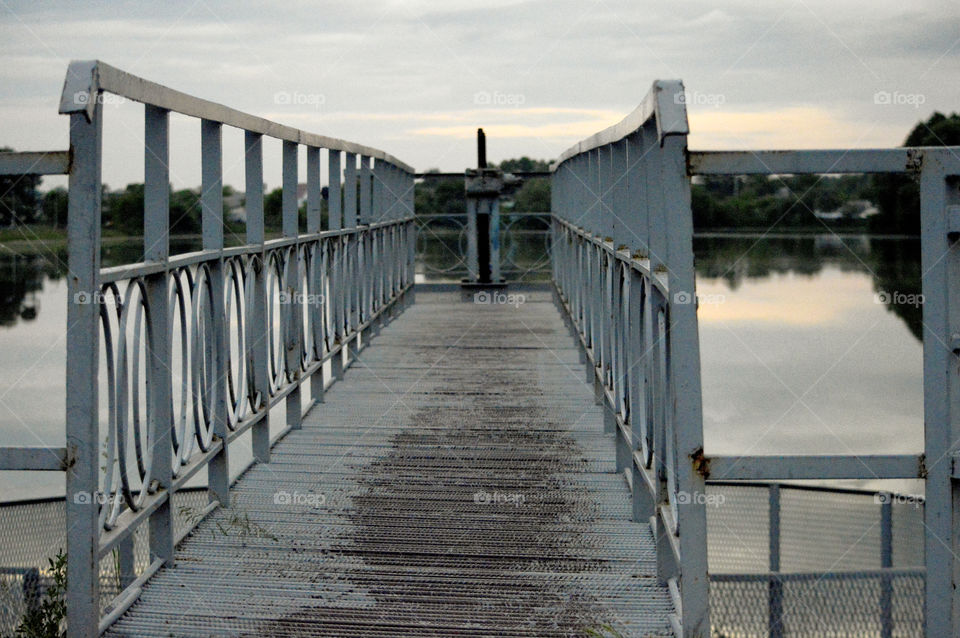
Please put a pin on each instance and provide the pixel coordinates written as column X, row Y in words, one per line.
column 289, row 435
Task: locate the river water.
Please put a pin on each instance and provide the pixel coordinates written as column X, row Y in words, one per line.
column 809, row 344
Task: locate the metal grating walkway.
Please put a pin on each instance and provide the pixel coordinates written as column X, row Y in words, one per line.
column 456, row 483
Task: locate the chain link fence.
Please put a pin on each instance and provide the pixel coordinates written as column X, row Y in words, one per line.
column 829, row 545
column 830, row 582
column 33, row 532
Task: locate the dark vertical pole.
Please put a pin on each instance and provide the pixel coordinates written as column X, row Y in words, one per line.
column 481, row 149
column 775, row 594
column 886, row 562
column 483, row 217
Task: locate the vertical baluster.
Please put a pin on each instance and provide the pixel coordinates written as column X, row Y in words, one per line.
column 589, row 258
column 258, row 332
column 637, row 194
column 886, row 562
column 316, row 304
column 644, row 501
column 156, row 240
column 620, row 353
column 334, row 203
column 335, row 220
column 775, row 586
column 393, row 213
column 597, row 266
column 494, row 235
column 290, row 308
column 605, row 185
column 365, row 275
column 639, row 340
column 351, row 281
column 211, row 207
column 82, row 360
column 473, row 249
column 378, row 236
column 411, row 235
column 406, row 210
column 656, row 222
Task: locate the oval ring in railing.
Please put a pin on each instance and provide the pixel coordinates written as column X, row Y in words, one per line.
column 275, row 327
column 110, row 484
column 235, row 294
column 181, row 440
column 203, row 368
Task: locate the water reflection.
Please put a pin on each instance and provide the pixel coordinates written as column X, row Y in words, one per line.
column 21, row 287
column 892, row 263
column 801, row 357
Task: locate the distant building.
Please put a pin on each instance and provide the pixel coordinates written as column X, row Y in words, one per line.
column 855, row 209
column 233, row 205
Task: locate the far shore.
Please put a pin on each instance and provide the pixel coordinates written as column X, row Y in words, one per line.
column 32, row 239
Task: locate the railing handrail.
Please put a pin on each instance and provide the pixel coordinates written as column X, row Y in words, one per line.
column 664, row 103
column 623, row 252
column 86, row 78
column 257, row 322
column 589, row 199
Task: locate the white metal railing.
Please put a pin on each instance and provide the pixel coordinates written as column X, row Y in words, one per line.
column 623, row 270
column 195, row 349
column 623, row 265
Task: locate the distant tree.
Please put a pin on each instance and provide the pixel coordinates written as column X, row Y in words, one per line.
column 19, row 198
column 273, row 209
column 533, row 196
column 54, row 207
column 898, row 196
column 524, row 164
column 185, row 215
column 123, row 210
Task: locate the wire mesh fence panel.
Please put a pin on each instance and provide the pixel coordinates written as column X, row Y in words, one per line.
column 829, row 530
column 32, row 533
column 816, row 606
column 738, row 528
column 819, row 570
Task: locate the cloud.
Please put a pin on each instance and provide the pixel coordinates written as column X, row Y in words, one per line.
column 402, row 75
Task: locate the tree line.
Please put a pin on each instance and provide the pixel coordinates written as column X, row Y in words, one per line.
column 731, row 203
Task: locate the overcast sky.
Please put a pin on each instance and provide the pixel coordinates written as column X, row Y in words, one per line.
column 416, row 78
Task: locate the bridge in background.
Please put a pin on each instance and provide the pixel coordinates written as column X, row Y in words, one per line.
column 460, row 478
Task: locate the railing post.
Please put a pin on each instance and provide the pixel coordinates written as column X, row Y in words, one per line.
column 606, row 260
column 940, row 263
column 379, row 241
column 409, row 237
column 364, row 239
column 292, row 314
column 314, row 275
column 156, row 239
column 82, row 362
column 621, row 356
column 775, row 591
column 258, row 333
column 628, row 232
column 352, row 243
column 684, row 397
column 211, row 207
column 335, row 220
column 886, row 562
